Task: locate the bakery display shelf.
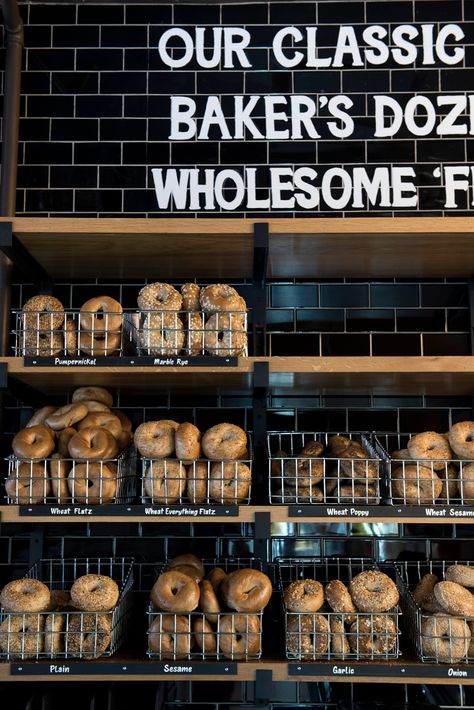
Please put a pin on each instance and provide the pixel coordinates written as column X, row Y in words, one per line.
column 222, row 248
column 449, row 375
column 325, row 513
column 121, row 667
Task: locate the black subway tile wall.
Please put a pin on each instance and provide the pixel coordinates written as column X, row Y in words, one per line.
column 101, row 62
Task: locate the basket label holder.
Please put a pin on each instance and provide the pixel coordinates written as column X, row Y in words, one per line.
column 443, row 512
column 179, row 361
column 151, row 511
column 57, row 667
column 377, row 670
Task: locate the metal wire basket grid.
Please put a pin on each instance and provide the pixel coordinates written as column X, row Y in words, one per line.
column 170, row 333
column 300, row 479
column 70, row 333
column 66, row 632
column 423, row 481
column 327, row 635
column 52, row 481
column 227, row 635
column 436, row 637
column 203, row 482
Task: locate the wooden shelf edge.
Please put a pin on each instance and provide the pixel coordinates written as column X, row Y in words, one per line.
column 396, row 672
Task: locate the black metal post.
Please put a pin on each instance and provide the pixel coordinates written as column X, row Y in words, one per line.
column 259, row 306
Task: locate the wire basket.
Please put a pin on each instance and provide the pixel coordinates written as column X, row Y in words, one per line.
column 304, row 480
column 66, row 632
column 423, row 481
column 71, row 333
column 228, row 635
column 203, row 482
column 53, row 481
column 326, row 635
column 170, row 333
column 436, row 639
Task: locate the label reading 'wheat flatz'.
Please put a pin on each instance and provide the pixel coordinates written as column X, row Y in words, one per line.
column 137, row 361
column 151, row 511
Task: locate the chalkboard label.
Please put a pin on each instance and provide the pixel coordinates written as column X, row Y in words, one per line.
column 134, row 361
column 381, row 511
column 377, row 670
column 177, row 668
column 148, row 511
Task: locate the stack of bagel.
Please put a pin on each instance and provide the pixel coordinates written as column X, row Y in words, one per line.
column 221, row 477
column 68, row 454
column 38, row 621
column 46, row 330
column 194, row 321
column 341, row 472
column 336, row 621
column 435, row 467
column 447, row 614
column 218, row 611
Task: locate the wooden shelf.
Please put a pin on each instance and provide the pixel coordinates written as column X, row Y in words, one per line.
column 440, row 375
column 279, row 514
column 125, row 669
column 223, row 248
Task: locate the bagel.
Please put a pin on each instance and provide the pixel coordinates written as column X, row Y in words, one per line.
column 101, row 315
column 239, row 636
column 304, row 595
column 159, row 297
column 194, row 329
column 161, row 334
column 225, row 335
column 209, row 602
column 424, row 588
column 219, row 298
column 94, row 592
column 340, row 647
column 197, row 488
column 93, row 483
column 461, row 574
column 187, row 443
column 28, row 484
column 190, row 293
column 36, row 442
column 205, row 637
column 42, row 344
column 165, row 481
column 40, row 416
column 374, row 635
column 188, row 559
column 224, row 442
column 230, row 482
column 156, row 440
column 67, row 416
column 307, row 635
column 216, row 576
column 430, row 446
column 88, row 635
column 373, row 591
column 104, row 420
column 169, row 636
column 63, row 439
column 189, row 571
column 415, row 484
column 454, row 599
column 466, row 483
column 70, row 338
column 103, row 345
column 246, row 590
column 21, row 635
column 54, row 631
column 25, row 596
column 175, row 592
column 461, row 439
column 42, row 313
column 445, row 639
column 58, row 471
column 97, row 394
column 339, row 599
column 93, row 444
